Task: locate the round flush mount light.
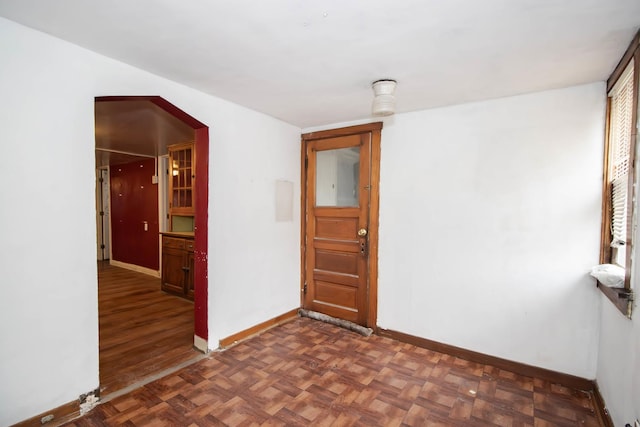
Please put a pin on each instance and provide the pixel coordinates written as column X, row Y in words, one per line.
column 384, row 99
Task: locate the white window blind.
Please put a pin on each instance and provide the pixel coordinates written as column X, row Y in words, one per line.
column 620, row 154
column 619, row 214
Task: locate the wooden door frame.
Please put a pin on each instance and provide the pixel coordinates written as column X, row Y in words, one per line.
column 375, row 129
column 101, row 218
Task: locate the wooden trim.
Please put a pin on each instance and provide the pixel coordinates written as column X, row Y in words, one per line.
column 350, row 130
column 307, row 208
column 67, row 412
column 374, row 212
column 622, row 298
column 508, row 365
column 303, row 217
column 601, row 408
column 631, row 192
column 261, row 327
column 605, row 232
column 624, row 61
column 201, row 235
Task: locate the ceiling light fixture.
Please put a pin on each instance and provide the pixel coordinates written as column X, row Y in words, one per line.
column 384, row 101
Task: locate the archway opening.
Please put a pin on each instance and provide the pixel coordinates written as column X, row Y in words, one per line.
column 200, row 134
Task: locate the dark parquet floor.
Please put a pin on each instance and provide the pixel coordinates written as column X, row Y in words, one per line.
column 143, row 331
column 305, row 372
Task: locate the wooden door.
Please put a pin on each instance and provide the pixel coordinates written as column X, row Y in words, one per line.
column 173, row 273
column 340, row 231
column 134, row 214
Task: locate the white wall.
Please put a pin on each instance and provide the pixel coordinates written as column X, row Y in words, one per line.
column 489, row 224
column 48, row 309
column 618, row 373
column 618, row 364
column 254, row 261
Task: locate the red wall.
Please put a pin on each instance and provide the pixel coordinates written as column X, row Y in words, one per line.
column 134, row 199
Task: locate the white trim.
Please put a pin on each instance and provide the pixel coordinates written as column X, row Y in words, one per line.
column 133, row 267
column 201, row 344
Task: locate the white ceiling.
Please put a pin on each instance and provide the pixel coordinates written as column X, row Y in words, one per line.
column 311, row 63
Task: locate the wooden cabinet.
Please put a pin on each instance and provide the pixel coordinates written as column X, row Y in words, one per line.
column 177, row 244
column 182, row 173
column 178, row 265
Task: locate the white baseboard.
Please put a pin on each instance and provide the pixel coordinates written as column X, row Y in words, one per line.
column 201, row 344
column 133, row 267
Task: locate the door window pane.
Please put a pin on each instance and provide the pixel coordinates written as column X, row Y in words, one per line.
column 337, row 177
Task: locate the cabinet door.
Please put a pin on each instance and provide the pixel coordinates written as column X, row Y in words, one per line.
column 190, row 281
column 173, row 274
column 182, row 174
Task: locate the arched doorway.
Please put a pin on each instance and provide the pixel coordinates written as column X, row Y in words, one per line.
column 201, row 140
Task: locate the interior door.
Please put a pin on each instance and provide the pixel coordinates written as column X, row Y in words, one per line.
column 338, row 228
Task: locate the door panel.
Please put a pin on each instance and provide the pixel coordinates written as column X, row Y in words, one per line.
column 337, row 206
column 135, row 237
column 337, row 262
column 173, row 276
column 336, row 227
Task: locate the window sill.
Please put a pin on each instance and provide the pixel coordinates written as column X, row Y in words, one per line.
column 622, row 298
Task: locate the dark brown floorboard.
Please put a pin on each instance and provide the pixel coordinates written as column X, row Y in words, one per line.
column 143, row 331
column 305, row 372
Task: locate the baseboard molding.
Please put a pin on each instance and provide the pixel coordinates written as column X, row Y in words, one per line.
column 508, row 365
column 55, row 416
column 261, row 327
column 200, row 344
column 603, row 414
column 133, row 267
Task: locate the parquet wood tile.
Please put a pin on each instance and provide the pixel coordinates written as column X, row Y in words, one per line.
column 308, row 373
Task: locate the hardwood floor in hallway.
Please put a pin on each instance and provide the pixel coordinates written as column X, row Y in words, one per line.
column 306, row 372
column 143, row 331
